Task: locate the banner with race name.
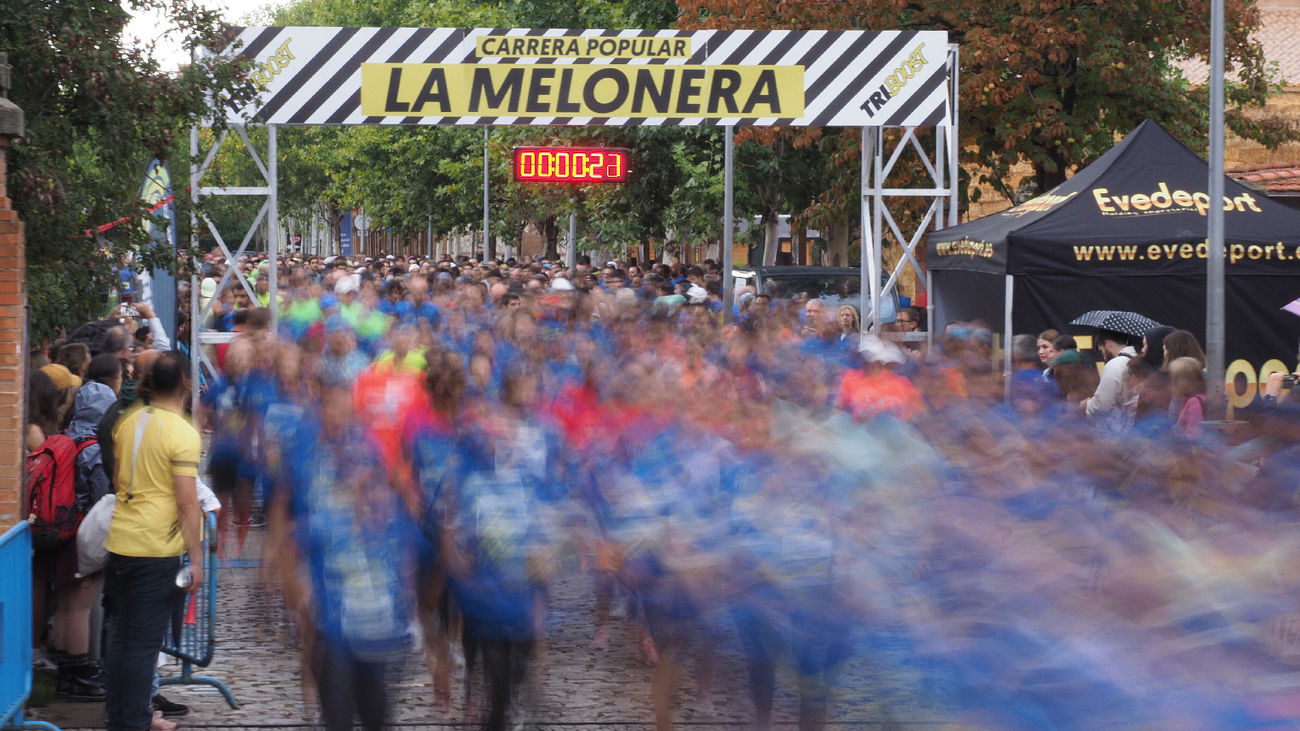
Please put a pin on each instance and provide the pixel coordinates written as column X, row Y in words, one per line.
column 523, row 76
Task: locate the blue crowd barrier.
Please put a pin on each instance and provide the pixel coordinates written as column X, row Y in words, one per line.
column 16, row 628
column 194, row 633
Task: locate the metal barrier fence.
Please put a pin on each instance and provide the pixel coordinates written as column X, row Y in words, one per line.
column 194, row 632
column 16, row 628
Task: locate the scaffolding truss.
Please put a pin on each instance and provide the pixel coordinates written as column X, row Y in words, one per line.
column 938, row 186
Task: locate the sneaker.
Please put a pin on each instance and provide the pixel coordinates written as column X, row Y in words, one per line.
column 161, row 724
column 41, row 660
column 79, row 683
column 169, row 708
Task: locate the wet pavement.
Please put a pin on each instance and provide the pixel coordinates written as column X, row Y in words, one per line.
column 578, row 686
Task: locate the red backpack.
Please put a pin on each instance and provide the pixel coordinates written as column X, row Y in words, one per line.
column 52, row 490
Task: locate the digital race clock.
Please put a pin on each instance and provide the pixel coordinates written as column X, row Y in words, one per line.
column 570, row 164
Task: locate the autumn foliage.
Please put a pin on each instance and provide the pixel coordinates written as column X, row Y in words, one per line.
column 1047, row 82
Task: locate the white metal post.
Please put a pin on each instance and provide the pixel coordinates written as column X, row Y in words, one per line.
column 486, row 180
column 273, row 223
column 728, row 220
column 869, row 282
column 877, row 222
column 954, row 152
column 195, row 345
column 1006, row 338
column 1214, row 314
column 571, row 251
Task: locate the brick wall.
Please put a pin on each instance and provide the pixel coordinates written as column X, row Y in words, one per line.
column 13, row 302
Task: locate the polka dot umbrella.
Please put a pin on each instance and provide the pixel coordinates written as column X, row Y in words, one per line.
column 1120, row 321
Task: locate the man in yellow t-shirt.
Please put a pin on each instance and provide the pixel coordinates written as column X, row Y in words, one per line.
column 156, row 520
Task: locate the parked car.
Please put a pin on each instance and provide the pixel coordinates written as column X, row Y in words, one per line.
column 834, row 286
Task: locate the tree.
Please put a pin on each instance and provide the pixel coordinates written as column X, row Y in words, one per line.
column 98, row 110
column 1052, row 82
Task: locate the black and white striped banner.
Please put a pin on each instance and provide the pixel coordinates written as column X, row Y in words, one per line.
column 513, row 76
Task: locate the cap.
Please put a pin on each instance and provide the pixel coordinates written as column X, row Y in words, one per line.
column 560, row 284
column 345, row 285
column 413, row 267
column 329, row 260
column 1067, row 357
column 874, row 349
column 209, row 287
column 336, row 323
column 697, row 294
column 61, row 376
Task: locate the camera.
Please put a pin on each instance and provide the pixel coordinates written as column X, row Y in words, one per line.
column 1288, row 381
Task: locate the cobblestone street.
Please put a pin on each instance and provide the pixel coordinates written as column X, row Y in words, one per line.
column 580, row 687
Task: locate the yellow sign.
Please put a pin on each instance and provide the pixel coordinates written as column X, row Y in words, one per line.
column 617, row 90
column 582, row 47
column 1161, row 200
column 274, row 66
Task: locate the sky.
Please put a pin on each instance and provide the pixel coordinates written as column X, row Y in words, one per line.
column 148, row 26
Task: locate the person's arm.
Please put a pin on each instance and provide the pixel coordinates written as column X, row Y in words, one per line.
column 35, row 437
column 191, row 520
column 96, row 479
column 160, row 339
column 1108, row 391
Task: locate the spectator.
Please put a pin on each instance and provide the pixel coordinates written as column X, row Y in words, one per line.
column 156, row 521
column 75, row 357
column 158, row 335
column 75, row 589
column 1182, row 344
column 910, row 319
column 850, row 325
column 814, row 311
column 1047, row 349
column 1187, row 382
column 143, row 338
column 1113, row 407
column 1030, row 394
column 1145, row 374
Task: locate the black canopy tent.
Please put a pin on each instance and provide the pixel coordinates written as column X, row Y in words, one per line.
column 1128, row 233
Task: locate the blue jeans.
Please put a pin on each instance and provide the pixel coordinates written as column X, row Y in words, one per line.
column 144, row 593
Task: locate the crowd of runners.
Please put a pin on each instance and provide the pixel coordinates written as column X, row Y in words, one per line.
column 433, row 443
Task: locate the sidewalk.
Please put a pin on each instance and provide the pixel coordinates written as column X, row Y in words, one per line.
column 581, row 687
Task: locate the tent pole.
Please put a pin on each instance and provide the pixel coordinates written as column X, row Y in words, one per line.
column 1214, row 317
column 1006, row 340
